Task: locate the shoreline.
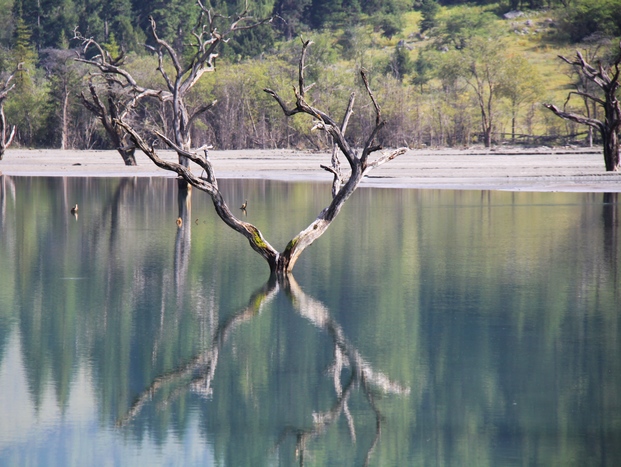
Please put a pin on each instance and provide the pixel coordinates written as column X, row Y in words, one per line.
column 501, row 168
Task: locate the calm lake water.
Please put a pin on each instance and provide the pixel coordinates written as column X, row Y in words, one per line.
column 425, row 328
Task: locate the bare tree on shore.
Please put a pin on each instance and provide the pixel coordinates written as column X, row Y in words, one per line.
column 179, row 75
column 606, row 77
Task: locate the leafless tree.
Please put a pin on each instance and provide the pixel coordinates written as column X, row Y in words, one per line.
column 179, row 75
column 606, row 77
column 6, row 136
column 344, row 183
column 108, row 110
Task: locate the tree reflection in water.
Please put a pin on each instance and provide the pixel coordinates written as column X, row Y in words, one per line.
column 197, row 375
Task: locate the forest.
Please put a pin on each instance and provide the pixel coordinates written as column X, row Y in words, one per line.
column 448, row 72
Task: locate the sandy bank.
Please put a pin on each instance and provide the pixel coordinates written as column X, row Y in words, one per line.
column 540, row 169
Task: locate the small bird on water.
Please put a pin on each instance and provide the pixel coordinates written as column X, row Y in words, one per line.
column 74, row 210
column 243, row 206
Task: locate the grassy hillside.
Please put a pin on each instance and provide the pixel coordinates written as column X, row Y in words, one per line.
column 533, row 36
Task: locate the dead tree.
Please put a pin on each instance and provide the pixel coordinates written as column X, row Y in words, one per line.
column 108, row 111
column 606, row 77
column 344, row 184
column 6, row 136
column 179, row 75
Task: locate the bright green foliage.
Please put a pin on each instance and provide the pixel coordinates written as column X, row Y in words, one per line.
column 112, row 46
column 462, row 24
column 520, row 85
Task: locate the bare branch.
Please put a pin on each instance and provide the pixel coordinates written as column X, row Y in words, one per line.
column 325, row 122
column 574, row 117
column 369, row 147
column 378, row 112
column 162, row 43
column 358, row 165
column 384, row 158
column 584, row 95
column 302, row 67
column 5, row 89
column 202, row 109
column 208, row 185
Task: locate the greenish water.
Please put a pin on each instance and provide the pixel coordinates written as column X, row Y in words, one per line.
column 425, row 328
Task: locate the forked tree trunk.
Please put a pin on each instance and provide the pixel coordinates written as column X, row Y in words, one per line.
column 279, row 263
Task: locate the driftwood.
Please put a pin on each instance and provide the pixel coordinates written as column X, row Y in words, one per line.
column 343, row 186
column 607, row 80
column 6, row 136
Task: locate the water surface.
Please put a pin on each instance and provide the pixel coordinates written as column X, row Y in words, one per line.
column 424, row 328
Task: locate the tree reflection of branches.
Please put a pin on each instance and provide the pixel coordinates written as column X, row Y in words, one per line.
column 345, row 355
column 7, row 185
column 198, row 373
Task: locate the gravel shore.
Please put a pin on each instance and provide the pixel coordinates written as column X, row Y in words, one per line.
column 537, row 169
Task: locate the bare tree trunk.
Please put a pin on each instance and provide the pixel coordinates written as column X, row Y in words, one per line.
column 64, row 130
column 359, row 163
column 6, row 138
column 611, row 150
column 487, row 137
